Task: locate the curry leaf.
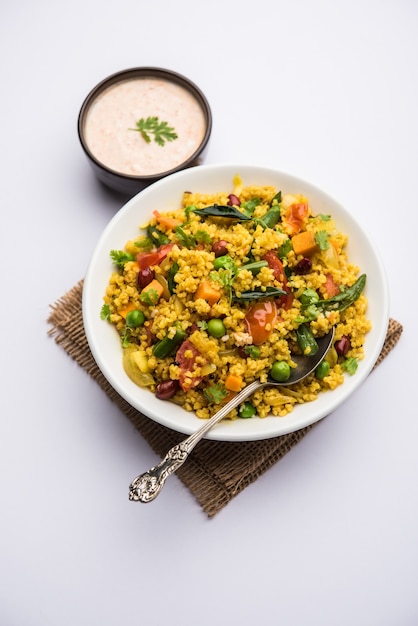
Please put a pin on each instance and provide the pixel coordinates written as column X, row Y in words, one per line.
column 219, row 210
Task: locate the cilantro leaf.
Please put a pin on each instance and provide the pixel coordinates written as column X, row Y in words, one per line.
column 226, row 276
column 321, row 238
column 216, row 393
column 125, row 337
column 202, row 236
column 105, row 312
column 145, row 243
column 350, row 365
column 150, row 296
column 188, row 241
column 161, row 131
column 285, row 248
column 120, row 257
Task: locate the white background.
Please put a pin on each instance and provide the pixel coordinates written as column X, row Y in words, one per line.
column 325, row 90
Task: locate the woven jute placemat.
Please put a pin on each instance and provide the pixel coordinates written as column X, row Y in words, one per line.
column 216, row 471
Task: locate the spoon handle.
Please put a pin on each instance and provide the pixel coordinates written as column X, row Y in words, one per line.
column 148, row 485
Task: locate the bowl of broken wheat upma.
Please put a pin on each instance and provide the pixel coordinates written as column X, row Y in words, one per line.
column 221, row 275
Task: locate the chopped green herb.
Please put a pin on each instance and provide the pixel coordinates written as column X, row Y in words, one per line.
column 202, row 236
column 145, row 243
column 203, row 325
column 161, row 131
column 188, row 241
column 350, row 365
column 321, row 238
column 285, row 248
column 324, row 218
column 105, row 312
column 125, row 337
column 189, row 209
column 150, row 296
column 120, row 257
column 216, row 393
column 225, row 277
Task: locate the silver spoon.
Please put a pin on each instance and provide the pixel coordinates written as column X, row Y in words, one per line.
column 148, row 485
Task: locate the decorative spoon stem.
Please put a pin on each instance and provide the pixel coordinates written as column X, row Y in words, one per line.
column 148, row 485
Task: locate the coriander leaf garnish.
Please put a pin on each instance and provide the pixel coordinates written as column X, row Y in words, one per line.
column 226, row 276
column 321, row 238
column 145, row 243
column 202, row 236
column 188, row 241
column 105, row 312
column 152, row 126
column 285, row 248
column 120, row 257
column 216, row 393
column 150, row 296
column 126, row 337
column 350, row 365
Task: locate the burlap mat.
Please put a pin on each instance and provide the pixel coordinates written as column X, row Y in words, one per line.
column 215, row 471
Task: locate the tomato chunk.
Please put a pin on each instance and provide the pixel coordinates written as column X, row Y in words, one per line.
column 286, row 301
column 295, row 216
column 186, row 358
column 331, row 286
column 260, row 319
column 147, row 259
column 276, row 265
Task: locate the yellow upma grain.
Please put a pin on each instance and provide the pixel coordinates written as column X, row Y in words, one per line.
column 185, row 257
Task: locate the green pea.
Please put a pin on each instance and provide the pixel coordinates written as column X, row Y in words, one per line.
column 322, row 370
column 280, row 371
column 135, row 318
column 247, row 410
column 216, row 328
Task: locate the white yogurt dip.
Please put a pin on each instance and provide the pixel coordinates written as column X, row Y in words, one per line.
column 117, row 110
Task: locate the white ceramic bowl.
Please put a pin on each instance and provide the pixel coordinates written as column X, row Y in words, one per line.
column 166, row 194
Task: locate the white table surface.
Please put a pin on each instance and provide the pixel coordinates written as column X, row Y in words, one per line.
column 325, row 90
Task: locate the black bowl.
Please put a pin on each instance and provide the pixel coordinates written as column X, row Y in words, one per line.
column 127, row 183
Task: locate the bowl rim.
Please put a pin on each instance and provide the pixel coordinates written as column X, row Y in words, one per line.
column 270, row 426
column 144, row 72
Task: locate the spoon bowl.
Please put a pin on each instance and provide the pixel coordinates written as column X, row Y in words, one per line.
column 148, row 485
